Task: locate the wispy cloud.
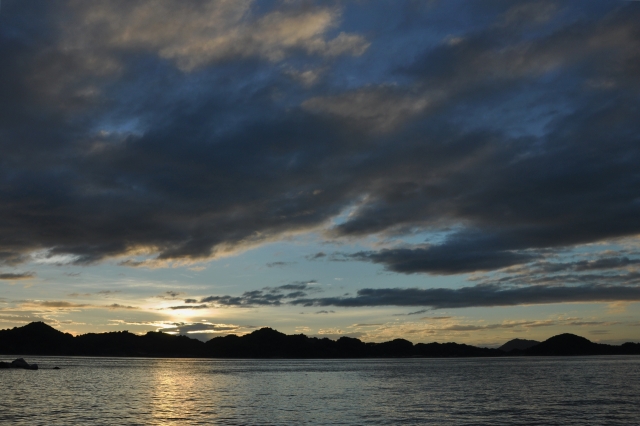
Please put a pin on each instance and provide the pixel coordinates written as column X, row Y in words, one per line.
column 62, row 304
column 17, row 276
column 268, row 296
column 279, row 264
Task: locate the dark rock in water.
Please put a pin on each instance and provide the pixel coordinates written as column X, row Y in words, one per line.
column 520, row 344
column 19, row 363
column 56, row 368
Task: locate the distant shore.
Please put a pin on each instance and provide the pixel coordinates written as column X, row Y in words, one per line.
column 38, row 338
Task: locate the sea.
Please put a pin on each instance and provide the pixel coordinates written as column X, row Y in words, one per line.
column 471, row 391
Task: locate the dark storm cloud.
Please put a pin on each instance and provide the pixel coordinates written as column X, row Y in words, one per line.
column 450, row 258
column 477, row 296
column 84, row 187
column 550, row 192
column 161, row 144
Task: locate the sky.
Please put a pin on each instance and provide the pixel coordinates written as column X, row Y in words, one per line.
column 430, row 170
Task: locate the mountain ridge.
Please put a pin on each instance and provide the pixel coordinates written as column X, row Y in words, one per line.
column 41, row 339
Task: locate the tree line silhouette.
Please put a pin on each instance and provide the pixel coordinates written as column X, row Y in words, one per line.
column 38, row 338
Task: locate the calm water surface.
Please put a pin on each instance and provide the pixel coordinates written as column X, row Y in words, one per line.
column 135, row 391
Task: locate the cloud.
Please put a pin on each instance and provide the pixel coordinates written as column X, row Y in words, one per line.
column 103, row 293
column 492, row 292
column 56, row 304
column 485, row 57
column 295, row 285
column 604, row 262
column 108, row 292
column 195, row 34
column 380, row 107
column 307, row 77
column 118, row 306
column 204, row 330
column 504, row 325
column 591, row 323
column 160, row 132
column 604, row 271
column 421, row 311
column 247, row 299
column 186, row 328
column 62, row 304
column 23, row 318
column 180, row 307
column 17, row 276
column 536, row 12
column 268, row 296
column 279, row 264
column 171, row 295
column 455, row 257
column 316, row 256
column 479, row 296
column 450, row 258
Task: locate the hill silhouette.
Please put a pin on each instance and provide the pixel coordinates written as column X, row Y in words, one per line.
column 520, row 344
column 39, row 338
column 570, row 344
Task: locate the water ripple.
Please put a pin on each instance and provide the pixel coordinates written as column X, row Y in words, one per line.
column 505, row 391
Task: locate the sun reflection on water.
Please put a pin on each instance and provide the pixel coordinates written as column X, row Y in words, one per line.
column 176, row 394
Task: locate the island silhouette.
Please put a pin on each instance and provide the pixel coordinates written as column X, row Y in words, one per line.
column 38, row 338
